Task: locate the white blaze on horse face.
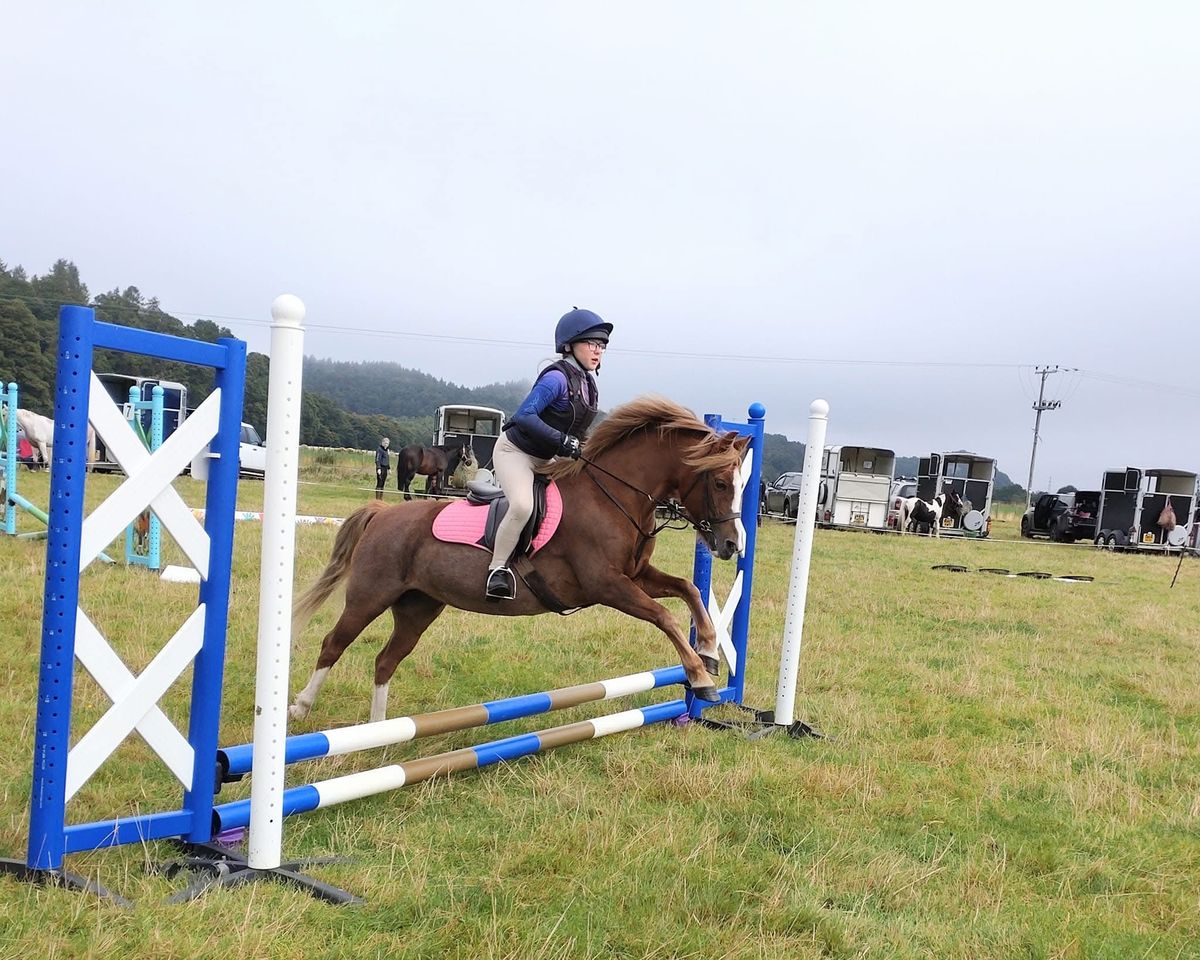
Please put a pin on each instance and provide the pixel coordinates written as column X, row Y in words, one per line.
column 741, row 477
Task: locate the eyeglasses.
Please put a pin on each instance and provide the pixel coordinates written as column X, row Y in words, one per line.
column 600, row 345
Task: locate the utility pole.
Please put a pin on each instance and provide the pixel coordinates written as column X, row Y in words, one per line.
column 1041, row 405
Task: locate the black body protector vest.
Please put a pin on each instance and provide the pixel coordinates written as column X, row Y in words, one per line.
column 582, row 412
column 575, row 420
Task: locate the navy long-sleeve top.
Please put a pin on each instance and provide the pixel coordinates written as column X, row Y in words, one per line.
column 549, row 392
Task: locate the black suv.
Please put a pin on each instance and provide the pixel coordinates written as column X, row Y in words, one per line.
column 783, row 495
column 1063, row 517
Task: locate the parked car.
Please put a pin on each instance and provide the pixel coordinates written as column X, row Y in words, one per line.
column 252, row 453
column 784, row 494
column 902, row 489
column 1063, row 517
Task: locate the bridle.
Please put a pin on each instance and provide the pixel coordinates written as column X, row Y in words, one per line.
column 675, row 510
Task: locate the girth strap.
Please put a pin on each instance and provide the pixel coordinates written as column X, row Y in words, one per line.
column 523, row 567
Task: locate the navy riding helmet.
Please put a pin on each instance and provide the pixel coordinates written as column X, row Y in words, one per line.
column 579, row 325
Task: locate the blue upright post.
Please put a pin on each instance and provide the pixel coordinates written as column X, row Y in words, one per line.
column 208, row 670
column 741, row 619
column 701, row 574
column 61, row 598
column 739, row 627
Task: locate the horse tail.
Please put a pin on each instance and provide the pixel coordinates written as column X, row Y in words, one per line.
column 339, row 563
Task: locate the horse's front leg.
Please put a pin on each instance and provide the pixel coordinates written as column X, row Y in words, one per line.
column 621, row 593
column 657, row 584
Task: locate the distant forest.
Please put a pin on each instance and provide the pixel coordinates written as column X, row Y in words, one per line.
column 344, row 405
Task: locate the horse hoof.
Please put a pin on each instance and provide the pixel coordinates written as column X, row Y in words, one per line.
column 297, row 712
column 708, row 692
column 712, row 665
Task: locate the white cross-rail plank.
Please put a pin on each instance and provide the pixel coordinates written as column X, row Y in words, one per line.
column 149, row 479
column 722, row 619
column 95, row 746
column 114, row 678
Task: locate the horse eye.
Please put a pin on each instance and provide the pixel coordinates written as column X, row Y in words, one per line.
column 722, row 485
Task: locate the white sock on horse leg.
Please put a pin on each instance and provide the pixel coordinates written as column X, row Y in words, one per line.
column 308, row 696
column 379, row 703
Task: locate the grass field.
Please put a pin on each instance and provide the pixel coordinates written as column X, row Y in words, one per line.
column 1011, row 771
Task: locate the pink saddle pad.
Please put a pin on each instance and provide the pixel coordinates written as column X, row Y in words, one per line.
column 463, row 522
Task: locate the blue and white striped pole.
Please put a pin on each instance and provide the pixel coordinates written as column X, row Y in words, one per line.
column 370, row 782
column 236, row 762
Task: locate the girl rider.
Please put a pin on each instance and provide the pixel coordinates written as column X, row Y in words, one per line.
column 552, row 421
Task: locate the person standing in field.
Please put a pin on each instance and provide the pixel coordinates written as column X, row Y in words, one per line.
column 382, row 463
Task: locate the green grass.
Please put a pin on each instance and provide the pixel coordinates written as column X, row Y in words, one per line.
column 1011, row 772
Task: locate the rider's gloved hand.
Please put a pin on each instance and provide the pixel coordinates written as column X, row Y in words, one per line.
column 570, row 447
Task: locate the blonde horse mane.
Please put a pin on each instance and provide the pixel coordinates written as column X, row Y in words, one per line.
column 711, row 450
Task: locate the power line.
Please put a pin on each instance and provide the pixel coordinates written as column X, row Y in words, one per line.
column 1023, row 369
column 540, row 344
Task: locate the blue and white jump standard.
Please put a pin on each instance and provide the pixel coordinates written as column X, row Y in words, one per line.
column 149, row 558
column 9, row 403
column 74, row 541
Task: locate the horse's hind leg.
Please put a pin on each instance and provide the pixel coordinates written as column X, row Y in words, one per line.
column 353, row 621
column 412, row 613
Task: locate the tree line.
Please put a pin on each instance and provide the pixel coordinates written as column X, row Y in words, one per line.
column 344, row 404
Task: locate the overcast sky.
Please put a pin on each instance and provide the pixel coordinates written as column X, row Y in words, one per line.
column 981, row 188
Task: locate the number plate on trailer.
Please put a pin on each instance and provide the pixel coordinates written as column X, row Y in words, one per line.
column 1147, row 538
column 859, row 519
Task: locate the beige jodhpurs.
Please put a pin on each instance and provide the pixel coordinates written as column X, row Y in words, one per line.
column 514, row 470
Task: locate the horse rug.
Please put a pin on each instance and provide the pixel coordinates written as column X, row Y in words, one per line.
column 474, row 523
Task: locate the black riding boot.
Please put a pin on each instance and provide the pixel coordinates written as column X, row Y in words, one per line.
column 501, row 584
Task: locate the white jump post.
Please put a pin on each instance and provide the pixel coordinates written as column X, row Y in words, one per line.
column 275, row 583
column 806, row 521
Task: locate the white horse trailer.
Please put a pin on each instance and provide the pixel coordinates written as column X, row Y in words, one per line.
column 973, row 476
column 478, row 426
column 855, row 483
column 1131, row 502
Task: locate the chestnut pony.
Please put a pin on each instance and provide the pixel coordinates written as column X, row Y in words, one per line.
column 642, row 455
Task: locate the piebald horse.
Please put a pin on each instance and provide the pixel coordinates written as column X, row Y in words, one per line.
column 915, row 511
column 644, row 455
column 39, row 431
